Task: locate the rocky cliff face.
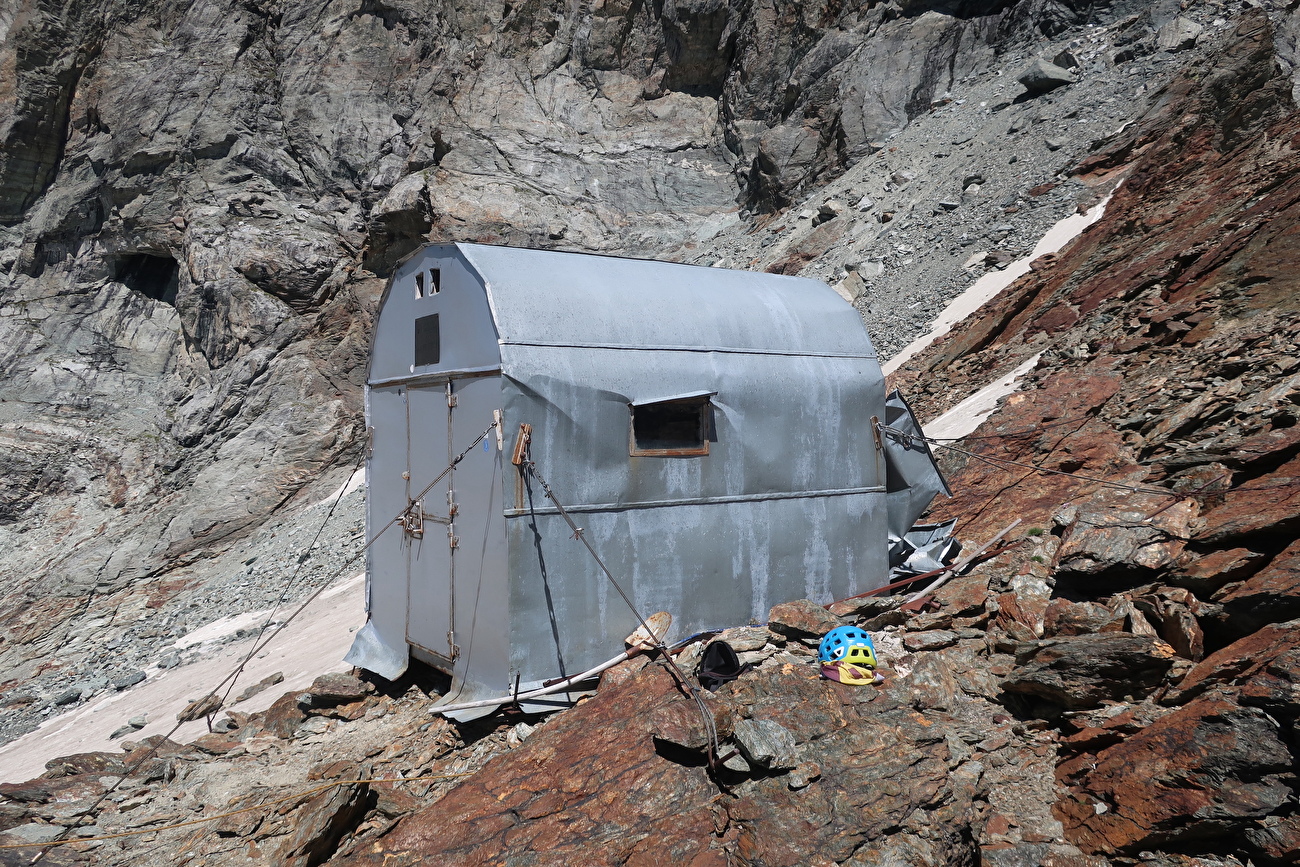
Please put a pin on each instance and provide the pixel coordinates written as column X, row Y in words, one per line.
column 201, row 204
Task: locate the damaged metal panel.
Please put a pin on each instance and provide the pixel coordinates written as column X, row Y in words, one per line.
column 913, row 476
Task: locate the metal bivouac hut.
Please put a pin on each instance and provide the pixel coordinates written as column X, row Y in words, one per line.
column 710, row 430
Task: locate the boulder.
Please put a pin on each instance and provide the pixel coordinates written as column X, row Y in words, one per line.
column 1263, row 661
column 865, row 606
column 1080, row 672
column 680, row 723
column 67, row 696
column 934, row 639
column 85, row 763
column 284, row 716
column 850, row 287
column 253, row 689
column 1064, row 617
column 1203, row 773
column 1178, row 34
column 801, row 618
column 1270, row 504
column 766, row 743
column 199, row 708
column 34, row 832
column 333, row 689
column 131, row 678
column 1207, row 573
column 1043, row 76
column 1113, row 536
column 1270, row 595
column 745, row 638
column 1276, row 837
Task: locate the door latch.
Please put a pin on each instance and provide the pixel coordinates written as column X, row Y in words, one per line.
column 412, row 520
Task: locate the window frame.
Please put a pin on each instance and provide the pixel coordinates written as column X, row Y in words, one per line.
column 706, row 430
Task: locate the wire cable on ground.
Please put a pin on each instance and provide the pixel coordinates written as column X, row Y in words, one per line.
column 136, row 832
column 1028, row 431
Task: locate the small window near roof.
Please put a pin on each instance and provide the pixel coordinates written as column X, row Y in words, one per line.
column 419, row 284
column 676, row 427
column 435, row 281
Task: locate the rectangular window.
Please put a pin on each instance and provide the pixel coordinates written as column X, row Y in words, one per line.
column 674, row 427
column 419, row 284
column 428, row 343
column 435, row 281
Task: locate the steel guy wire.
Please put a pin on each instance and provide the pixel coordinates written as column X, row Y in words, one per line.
column 429, row 487
column 684, row 685
column 912, row 439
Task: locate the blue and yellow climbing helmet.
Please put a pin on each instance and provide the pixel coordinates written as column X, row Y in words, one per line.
column 848, row 644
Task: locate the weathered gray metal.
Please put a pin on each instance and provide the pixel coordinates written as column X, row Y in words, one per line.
column 782, row 496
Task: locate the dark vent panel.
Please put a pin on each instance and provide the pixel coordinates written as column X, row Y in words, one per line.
column 428, row 343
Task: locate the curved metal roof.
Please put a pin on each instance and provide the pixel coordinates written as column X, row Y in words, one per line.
column 548, row 298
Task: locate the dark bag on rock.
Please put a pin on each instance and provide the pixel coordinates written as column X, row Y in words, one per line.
column 719, row 665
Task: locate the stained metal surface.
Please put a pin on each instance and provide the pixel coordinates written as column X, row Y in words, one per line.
column 566, row 299
column 789, row 502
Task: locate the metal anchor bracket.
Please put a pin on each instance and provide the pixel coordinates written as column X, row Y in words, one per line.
column 412, row 520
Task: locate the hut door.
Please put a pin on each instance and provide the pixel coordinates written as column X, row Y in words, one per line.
column 428, row 555
column 461, row 514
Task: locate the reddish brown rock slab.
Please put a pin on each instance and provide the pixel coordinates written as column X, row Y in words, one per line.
column 1123, row 532
column 1023, row 494
column 1270, row 503
column 1205, row 772
column 802, row 618
column 1270, row 595
column 1204, row 575
column 1064, row 617
column 681, row 723
column 586, row 788
column 284, row 716
column 1277, row 838
column 1080, row 672
column 590, row 788
column 337, row 688
column 965, row 595
column 1240, row 661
